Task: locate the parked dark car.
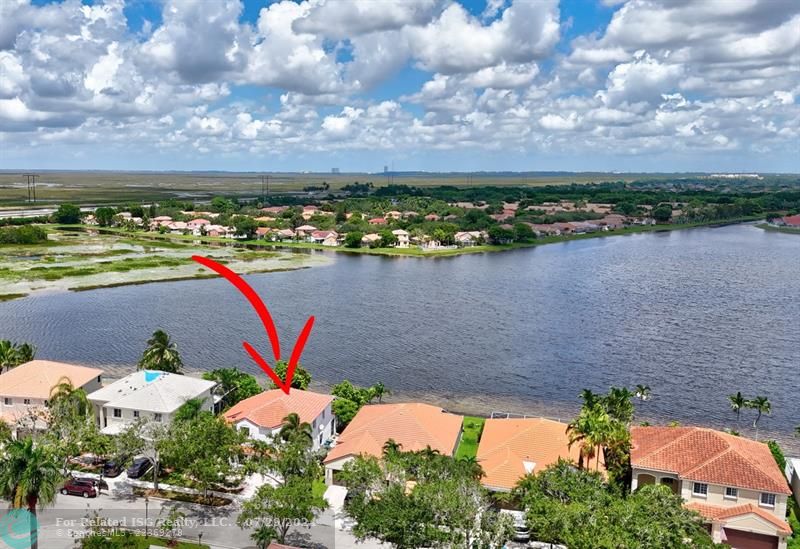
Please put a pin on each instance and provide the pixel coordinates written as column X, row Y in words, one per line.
column 98, row 483
column 139, row 467
column 112, row 469
column 79, row 487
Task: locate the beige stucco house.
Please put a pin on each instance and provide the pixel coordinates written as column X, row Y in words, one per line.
column 25, row 390
column 732, row 481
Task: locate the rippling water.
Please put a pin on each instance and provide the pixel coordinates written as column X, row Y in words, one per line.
column 695, row 314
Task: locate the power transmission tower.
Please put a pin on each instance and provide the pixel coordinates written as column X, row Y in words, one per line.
column 31, row 181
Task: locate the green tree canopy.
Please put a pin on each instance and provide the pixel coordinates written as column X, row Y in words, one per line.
column 445, row 506
column 353, row 239
column 574, row 507
column 235, row 385
column 67, row 213
column 300, row 380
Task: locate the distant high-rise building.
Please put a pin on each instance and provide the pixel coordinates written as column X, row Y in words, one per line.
column 386, row 169
column 334, row 170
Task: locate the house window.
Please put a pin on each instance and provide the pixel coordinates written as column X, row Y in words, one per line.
column 700, row 489
column 98, row 379
column 117, row 412
column 157, row 417
column 768, row 500
column 731, row 493
column 320, row 438
column 314, row 424
column 26, row 401
column 136, row 413
column 7, row 401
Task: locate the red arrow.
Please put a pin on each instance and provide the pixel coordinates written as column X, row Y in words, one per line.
column 269, row 326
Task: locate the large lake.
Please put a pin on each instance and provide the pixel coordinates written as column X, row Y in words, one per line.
column 695, row 314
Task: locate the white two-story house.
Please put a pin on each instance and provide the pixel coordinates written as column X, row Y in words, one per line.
column 147, row 395
column 732, row 481
column 25, row 390
column 262, row 415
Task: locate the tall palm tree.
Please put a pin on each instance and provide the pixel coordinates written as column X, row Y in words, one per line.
column 293, row 429
column 65, row 398
column 29, row 478
column 25, row 353
column 618, row 404
column 591, row 429
column 643, row 392
column 161, row 354
column 8, row 355
column 763, row 406
column 590, row 398
column 737, row 402
column 378, row 391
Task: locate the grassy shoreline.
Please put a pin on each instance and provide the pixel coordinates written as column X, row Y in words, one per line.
column 772, row 228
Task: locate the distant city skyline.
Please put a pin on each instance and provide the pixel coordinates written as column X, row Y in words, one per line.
column 412, row 85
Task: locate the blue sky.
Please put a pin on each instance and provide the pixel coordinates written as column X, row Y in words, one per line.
column 446, row 85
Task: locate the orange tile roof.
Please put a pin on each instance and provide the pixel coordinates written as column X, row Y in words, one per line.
column 413, row 425
column 36, row 379
column 506, row 444
column 712, row 512
column 268, row 409
column 707, row 455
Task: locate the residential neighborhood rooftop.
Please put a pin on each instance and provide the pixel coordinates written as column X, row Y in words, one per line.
column 36, row 379
column 268, row 409
column 707, row 455
column 151, row 390
column 714, row 512
column 511, row 448
column 413, row 425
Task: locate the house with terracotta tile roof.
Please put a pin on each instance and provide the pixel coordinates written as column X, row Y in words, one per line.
column 413, row 425
column 511, row 448
column 261, row 416
column 25, row 390
column 734, row 482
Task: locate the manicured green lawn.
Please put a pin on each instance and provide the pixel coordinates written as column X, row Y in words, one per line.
column 468, row 447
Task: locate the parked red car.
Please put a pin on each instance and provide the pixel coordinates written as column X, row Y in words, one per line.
column 79, row 487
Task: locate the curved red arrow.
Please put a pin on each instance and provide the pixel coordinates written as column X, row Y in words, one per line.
column 269, row 326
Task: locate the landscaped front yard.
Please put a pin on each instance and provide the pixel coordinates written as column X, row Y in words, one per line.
column 468, row 447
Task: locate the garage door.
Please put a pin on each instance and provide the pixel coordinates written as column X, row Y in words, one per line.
column 746, row 540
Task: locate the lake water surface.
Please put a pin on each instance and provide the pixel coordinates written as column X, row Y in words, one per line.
column 695, row 314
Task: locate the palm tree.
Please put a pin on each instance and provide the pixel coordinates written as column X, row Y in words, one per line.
column 8, row 355
column 263, row 536
column 29, row 477
column 161, row 354
column 737, row 402
column 65, row 398
column 293, row 429
column 618, row 404
column 391, row 447
column 591, row 429
column 797, row 431
column 590, row 398
column 472, row 466
column 643, row 392
column 25, row 353
column 763, row 406
column 378, row 391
